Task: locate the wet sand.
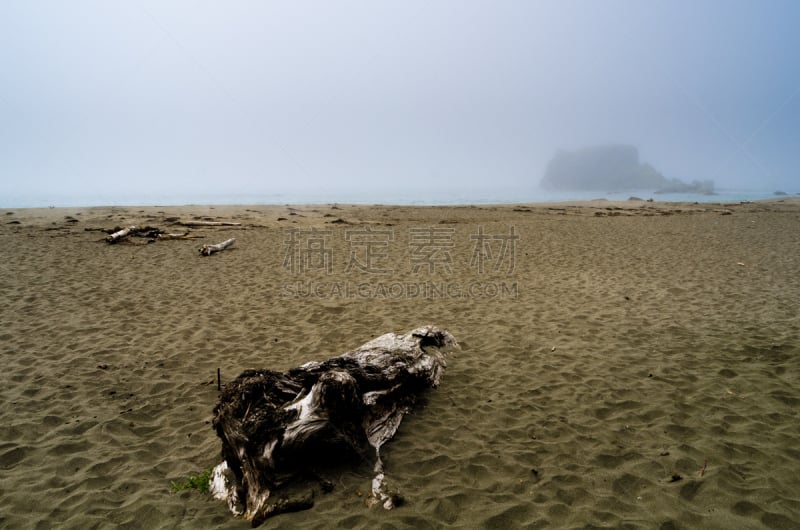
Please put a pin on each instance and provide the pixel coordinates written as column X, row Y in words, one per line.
column 624, row 364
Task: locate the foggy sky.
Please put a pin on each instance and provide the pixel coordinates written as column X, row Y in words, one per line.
column 238, row 97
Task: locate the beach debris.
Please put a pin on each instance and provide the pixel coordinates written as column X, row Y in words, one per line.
column 120, row 234
column 184, row 235
column 207, row 223
column 207, row 250
column 675, row 477
column 705, row 465
column 280, row 428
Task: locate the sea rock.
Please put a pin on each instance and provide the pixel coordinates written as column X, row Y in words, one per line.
column 600, row 168
column 612, row 168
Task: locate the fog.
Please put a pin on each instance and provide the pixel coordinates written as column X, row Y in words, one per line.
column 257, row 97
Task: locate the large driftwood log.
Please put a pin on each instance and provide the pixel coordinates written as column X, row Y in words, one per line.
column 207, row 250
column 274, row 425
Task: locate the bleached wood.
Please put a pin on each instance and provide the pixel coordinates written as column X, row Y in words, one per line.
column 208, row 223
column 177, row 236
column 207, row 250
column 275, row 426
column 121, row 234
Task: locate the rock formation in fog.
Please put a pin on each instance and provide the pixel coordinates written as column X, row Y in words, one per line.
column 610, row 168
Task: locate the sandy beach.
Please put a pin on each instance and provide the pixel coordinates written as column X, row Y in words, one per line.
column 625, row 365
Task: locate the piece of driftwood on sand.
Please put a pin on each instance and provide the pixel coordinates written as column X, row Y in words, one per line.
column 207, row 223
column 120, row 234
column 207, row 250
column 276, row 428
column 185, row 235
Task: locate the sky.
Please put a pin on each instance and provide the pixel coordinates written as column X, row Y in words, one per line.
column 269, row 96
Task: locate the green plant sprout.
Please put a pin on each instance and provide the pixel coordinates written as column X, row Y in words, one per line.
column 201, row 482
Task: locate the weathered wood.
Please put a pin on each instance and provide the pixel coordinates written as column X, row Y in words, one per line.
column 121, row 234
column 207, row 223
column 274, row 425
column 207, row 250
column 185, row 235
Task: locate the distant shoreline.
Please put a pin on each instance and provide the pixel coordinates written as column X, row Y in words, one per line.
column 285, row 215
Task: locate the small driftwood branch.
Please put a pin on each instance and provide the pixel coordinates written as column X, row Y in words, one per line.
column 207, row 223
column 121, row 234
column 207, row 250
column 177, row 236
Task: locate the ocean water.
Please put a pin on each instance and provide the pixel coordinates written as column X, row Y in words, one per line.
column 415, row 197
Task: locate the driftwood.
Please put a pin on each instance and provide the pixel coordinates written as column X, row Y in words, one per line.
column 207, row 250
column 153, row 234
column 185, row 235
column 120, row 234
column 207, row 223
column 277, row 426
